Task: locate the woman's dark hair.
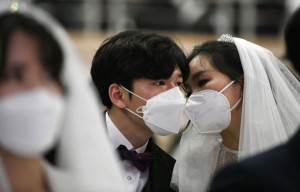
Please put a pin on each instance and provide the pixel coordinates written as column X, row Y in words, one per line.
column 223, row 56
column 132, row 55
column 50, row 52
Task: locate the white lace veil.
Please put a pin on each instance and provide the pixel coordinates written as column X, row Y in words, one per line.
column 85, row 160
column 271, row 100
column 270, row 115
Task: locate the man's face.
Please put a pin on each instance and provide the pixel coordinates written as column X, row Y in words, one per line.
column 147, row 88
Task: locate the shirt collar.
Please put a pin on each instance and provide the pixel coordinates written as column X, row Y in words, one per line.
column 118, row 138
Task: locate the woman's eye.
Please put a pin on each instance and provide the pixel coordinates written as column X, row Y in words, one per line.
column 178, row 84
column 12, row 77
column 15, row 74
column 202, row 82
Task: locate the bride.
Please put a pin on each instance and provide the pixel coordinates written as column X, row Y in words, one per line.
column 46, row 102
column 244, row 101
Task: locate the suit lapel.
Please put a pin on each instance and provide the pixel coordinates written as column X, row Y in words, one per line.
column 160, row 171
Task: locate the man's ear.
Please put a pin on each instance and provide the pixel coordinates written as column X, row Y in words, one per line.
column 116, row 95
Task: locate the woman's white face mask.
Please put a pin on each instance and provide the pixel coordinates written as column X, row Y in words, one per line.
column 209, row 110
column 163, row 113
column 30, row 121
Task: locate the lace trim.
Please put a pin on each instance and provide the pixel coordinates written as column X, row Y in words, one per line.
column 226, row 156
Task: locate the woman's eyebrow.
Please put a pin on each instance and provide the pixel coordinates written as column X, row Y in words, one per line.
column 196, row 75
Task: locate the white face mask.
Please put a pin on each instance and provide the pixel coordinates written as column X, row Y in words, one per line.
column 184, row 121
column 163, row 112
column 210, row 110
column 30, row 122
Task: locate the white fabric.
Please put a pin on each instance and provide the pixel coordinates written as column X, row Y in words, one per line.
column 226, row 156
column 4, row 183
column 85, row 153
column 270, row 115
column 156, row 112
column 30, row 121
column 271, row 100
column 61, row 181
column 134, row 179
column 196, row 159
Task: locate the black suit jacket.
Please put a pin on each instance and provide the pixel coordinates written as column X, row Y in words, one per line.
column 275, row 170
column 160, row 171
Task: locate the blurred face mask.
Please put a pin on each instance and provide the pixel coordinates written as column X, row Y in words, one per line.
column 30, row 122
column 210, row 110
column 163, row 113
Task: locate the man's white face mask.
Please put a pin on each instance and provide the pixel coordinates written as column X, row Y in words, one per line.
column 30, row 122
column 163, row 112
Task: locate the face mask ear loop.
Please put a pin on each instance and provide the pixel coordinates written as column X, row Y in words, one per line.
column 134, row 113
column 236, row 104
column 134, row 94
column 138, row 110
column 229, row 84
column 141, row 109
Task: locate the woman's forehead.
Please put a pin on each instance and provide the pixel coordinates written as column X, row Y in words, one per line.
column 201, row 63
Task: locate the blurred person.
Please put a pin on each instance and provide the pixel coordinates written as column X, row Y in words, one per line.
column 190, row 11
column 118, row 15
column 46, row 102
column 291, row 7
column 245, row 16
column 292, row 39
column 244, row 101
column 139, row 78
column 276, row 169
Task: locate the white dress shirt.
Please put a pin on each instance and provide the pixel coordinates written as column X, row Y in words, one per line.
column 134, row 179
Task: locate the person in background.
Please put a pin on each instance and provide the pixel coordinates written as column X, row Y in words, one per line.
column 46, row 103
column 139, row 77
column 291, row 39
column 244, row 101
column 278, row 168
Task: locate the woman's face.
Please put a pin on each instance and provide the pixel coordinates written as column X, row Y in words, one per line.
column 23, row 68
column 204, row 76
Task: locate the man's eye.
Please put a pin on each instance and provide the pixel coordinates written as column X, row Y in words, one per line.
column 202, row 82
column 159, row 83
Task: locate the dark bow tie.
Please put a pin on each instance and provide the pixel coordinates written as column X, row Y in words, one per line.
column 140, row 160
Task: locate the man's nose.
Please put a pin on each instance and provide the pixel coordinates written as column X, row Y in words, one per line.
column 171, row 85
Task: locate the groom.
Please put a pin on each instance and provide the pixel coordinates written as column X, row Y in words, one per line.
column 128, row 69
